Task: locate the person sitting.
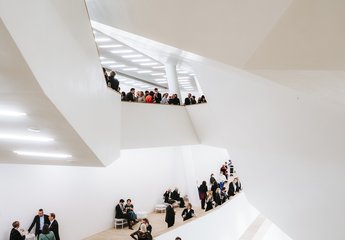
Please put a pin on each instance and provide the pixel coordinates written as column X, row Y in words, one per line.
column 46, row 234
column 193, row 100
column 129, row 209
column 15, row 232
column 202, row 99
column 209, row 201
column 232, row 189
column 121, row 213
column 175, row 195
column 167, row 197
column 144, row 231
column 224, row 195
column 217, row 197
column 188, row 212
column 238, row 185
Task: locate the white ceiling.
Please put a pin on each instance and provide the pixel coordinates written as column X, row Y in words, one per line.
column 135, row 68
column 20, row 92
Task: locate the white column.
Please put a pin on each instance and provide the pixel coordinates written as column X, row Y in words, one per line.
column 171, row 74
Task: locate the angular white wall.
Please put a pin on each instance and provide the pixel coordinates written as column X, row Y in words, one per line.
column 226, row 222
column 155, row 125
column 87, row 195
column 288, row 147
column 57, row 43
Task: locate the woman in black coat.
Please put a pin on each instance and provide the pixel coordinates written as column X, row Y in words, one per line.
column 170, row 215
column 203, row 194
column 188, row 212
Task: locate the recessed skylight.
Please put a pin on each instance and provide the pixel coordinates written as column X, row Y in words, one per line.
column 144, row 71
column 160, row 79
column 107, row 62
column 130, row 69
column 25, row 138
column 132, row 56
column 11, row 113
column 110, row 46
column 122, row 51
column 158, row 67
column 117, row 66
column 141, row 60
column 157, row 74
column 102, row 39
column 43, row 154
column 149, row 64
column 182, row 72
column 183, row 78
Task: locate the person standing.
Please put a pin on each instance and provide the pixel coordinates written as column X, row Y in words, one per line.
column 54, row 226
column 202, row 193
column 170, row 215
column 113, row 82
column 39, row 220
column 15, row 233
column 188, row 100
column 158, row 96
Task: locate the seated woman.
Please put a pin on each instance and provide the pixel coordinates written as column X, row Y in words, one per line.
column 144, row 231
column 209, row 201
column 175, row 195
column 217, row 197
column 167, row 197
column 46, row 234
column 129, row 209
column 188, row 212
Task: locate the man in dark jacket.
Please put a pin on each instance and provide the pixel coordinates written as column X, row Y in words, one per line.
column 54, row 226
column 39, row 220
column 170, row 215
column 130, row 97
column 113, row 82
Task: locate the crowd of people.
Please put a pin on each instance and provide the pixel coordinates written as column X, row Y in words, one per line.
column 219, row 191
column 46, row 228
column 212, row 194
column 148, row 96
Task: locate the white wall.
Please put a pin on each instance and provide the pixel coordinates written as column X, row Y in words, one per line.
column 227, row 222
column 155, row 125
column 86, row 196
column 288, row 148
column 57, row 43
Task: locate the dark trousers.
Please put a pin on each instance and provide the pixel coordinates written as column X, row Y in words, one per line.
column 170, row 224
column 202, row 203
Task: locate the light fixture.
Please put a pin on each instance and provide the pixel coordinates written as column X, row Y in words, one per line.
column 182, row 72
column 129, row 82
column 132, row 56
column 107, row 62
column 145, row 71
column 101, row 57
column 192, row 74
column 149, row 64
column 117, row 66
column 122, row 51
column 33, row 129
column 43, row 154
column 158, row 67
column 141, row 60
column 102, row 39
column 130, row 69
column 25, row 138
column 157, row 74
column 110, row 46
column 183, row 78
column 160, row 79
column 11, row 113
column 137, row 84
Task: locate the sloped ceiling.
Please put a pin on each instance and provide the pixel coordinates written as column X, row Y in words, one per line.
column 20, row 91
